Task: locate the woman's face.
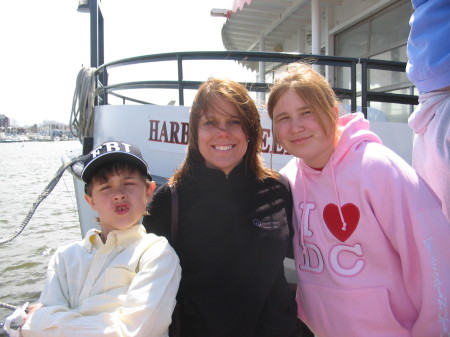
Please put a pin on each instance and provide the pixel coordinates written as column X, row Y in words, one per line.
column 221, row 139
column 298, row 131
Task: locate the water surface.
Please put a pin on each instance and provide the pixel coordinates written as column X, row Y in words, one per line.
column 25, row 170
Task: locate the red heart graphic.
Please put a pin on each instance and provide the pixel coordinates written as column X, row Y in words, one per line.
column 334, row 222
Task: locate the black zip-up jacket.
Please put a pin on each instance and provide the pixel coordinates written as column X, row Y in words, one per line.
column 232, row 239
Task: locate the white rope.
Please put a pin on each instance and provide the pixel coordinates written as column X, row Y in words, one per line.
column 44, row 194
column 8, row 306
column 82, row 115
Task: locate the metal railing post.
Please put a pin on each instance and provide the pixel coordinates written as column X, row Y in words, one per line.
column 364, row 86
column 353, row 85
column 180, row 80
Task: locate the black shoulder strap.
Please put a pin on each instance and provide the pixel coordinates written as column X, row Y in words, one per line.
column 174, row 223
column 174, row 328
column 285, row 182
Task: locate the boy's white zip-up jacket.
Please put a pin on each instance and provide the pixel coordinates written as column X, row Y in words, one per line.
column 124, row 287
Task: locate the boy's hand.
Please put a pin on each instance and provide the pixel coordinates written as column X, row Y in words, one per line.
column 32, row 308
column 15, row 321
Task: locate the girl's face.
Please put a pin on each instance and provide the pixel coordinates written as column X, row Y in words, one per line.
column 298, row 131
column 221, row 139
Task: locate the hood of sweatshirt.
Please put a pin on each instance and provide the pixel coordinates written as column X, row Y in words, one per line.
column 354, row 129
column 424, row 113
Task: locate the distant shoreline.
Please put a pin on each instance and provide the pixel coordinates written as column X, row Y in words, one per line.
column 34, row 140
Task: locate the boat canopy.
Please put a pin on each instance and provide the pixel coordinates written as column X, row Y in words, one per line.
column 239, row 4
column 264, row 25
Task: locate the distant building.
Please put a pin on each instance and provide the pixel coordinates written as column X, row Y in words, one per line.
column 4, row 121
column 55, row 133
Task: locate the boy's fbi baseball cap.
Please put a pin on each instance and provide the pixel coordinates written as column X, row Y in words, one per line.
column 112, row 151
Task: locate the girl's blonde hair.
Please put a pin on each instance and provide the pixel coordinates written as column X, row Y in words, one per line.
column 313, row 88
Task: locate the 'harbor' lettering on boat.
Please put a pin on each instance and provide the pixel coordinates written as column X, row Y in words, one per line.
column 168, row 132
column 267, row 143
column 174, row 132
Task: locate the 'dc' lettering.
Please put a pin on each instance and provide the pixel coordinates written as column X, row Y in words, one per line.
column 336, row 265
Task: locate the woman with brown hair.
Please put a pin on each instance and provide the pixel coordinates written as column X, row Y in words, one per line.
column 234, row 223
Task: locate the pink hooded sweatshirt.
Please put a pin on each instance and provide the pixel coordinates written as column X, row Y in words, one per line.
column 371, row 244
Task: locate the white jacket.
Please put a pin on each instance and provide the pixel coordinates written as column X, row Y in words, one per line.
column 125, row 287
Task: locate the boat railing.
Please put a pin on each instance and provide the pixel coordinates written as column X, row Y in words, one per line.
column 348, row 91
column 368, row 95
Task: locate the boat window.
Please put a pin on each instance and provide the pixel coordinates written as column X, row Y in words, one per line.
column 382, row 36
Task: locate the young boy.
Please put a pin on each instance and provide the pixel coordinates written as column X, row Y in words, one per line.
column 119, row 281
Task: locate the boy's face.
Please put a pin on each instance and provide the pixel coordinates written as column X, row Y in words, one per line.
column 120, row 200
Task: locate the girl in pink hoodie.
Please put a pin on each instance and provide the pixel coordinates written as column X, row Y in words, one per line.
column 371, row 242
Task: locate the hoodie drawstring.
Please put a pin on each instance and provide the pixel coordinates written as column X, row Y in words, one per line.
column 302, row 234
column 344, row 224
column 302, row 222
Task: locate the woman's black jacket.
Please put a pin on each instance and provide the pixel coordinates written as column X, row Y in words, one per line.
column 234, row 233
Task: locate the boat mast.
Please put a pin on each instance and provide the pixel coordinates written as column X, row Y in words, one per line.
column 97, row 43
column 93, row 7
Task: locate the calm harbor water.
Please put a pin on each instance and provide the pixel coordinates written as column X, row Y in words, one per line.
column 25, row 170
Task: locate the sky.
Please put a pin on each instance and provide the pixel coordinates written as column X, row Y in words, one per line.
column 45, row 44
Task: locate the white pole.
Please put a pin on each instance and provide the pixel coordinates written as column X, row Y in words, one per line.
column 315, row 26
column 262, row 73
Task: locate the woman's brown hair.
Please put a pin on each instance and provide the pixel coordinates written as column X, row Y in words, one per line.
column 236, row 94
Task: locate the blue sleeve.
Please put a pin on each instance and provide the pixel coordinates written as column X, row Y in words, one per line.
column 429, row 45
